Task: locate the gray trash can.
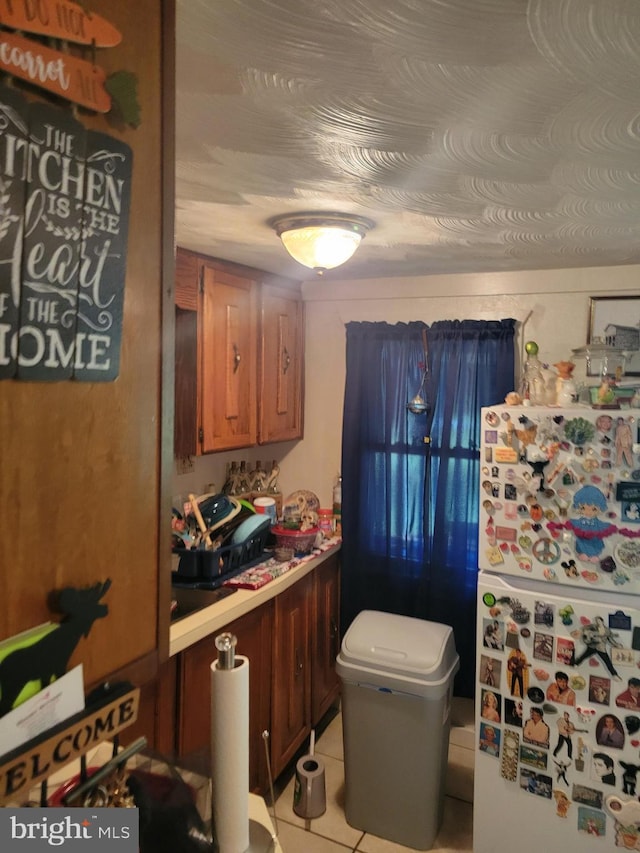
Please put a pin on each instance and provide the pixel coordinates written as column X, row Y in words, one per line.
column 397, row 682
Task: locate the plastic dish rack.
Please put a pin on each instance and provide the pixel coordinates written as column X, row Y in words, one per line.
column 210, row 566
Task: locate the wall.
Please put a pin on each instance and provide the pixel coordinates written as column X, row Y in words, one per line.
column 555, row 302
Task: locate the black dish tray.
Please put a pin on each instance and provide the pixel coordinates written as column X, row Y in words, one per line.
column 214, row 567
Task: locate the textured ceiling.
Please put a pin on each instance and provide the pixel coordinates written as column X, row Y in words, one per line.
column 479, row 135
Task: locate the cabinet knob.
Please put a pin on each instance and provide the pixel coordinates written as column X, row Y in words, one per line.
column 286, row 360
column 299, row 664
column 237, row 358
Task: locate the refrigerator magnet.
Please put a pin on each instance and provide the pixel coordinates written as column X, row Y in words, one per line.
column 626, row 817
column 535, row 694
column 620, row 620
column 494, row 556
column 489, row 740
column 629, row 777
column 546, row 551
column 563, row 803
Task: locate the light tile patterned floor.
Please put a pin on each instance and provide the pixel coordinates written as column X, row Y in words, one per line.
column 331, row 833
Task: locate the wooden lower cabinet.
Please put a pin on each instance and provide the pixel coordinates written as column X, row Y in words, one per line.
column 291, row 676
column 325, row 638
column 291, row 642
column 254, row 632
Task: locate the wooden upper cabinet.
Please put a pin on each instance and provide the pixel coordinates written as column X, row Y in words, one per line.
column 228, row 359
column 239, row 357
column 281, row 365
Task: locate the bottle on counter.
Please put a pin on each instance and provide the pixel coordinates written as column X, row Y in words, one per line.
column 272, row 479
column 258, row 478
column 337, row 506
column 326, row 523
column 244, row 482
column 231, row 480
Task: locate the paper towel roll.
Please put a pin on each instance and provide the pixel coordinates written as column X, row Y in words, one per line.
column 230, row 755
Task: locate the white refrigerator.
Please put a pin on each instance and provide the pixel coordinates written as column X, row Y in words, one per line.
column 558, row 631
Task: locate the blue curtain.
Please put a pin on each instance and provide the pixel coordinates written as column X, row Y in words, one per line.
column 410, row 508
column 471, row 365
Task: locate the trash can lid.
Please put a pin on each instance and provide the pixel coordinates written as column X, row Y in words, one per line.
column 400, row 644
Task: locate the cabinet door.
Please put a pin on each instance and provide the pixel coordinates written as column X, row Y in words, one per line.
column 185, row 430
column 281, row 366
column 228, row 359
column 187, row 272
column 157, row 713
column 325, row 685
column 291, row 680
column 194, row 706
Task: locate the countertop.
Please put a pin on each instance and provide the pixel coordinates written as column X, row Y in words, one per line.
column 203, row 623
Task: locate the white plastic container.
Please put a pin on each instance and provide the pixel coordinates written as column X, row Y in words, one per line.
column 266, row 506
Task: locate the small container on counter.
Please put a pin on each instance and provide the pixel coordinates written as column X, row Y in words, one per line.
column 267, row 506
column 326, row 522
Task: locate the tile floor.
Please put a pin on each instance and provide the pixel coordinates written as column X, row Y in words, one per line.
column 331, row 833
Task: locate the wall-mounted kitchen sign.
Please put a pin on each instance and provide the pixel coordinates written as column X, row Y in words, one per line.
column 64, row 217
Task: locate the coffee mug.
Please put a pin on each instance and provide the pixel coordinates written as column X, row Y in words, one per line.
column 309, row 795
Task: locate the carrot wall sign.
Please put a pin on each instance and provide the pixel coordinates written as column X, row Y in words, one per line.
column 76, row 79
column 59, row 19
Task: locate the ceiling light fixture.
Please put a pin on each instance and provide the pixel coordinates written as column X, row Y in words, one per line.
column 321, row 241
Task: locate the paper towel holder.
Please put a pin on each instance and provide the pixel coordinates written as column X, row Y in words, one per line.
column 261, row 840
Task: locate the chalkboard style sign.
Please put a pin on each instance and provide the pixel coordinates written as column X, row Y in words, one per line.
column 104, row 252
column 64, row 215
column 13, row 135
column 51, row 244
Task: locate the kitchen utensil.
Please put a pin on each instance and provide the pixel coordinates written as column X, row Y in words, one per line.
column 198, row 516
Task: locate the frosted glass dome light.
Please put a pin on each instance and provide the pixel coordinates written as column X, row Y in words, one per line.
column 321, row 241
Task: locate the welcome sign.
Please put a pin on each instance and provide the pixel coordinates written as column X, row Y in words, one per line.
column 64, row 218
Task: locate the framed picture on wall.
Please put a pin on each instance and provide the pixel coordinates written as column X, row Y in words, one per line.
column 614, row 321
